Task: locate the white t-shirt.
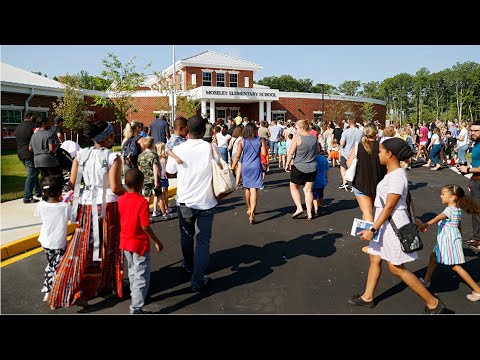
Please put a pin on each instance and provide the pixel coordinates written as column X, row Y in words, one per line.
column 236, row 141
column 55, row 216
column 194, row 176
column 435, row 140
column 93, row 175
column 463, row 133
column 222, row 141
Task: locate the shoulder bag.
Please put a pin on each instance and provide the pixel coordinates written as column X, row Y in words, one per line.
column 408, row 235
column 223, row 180
column 350, row 173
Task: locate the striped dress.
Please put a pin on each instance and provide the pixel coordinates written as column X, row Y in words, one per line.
column 449, row 249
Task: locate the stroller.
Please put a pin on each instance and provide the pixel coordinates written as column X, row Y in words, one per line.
column 65, row 155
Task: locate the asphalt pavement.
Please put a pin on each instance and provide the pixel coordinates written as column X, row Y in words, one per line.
column 279, row 265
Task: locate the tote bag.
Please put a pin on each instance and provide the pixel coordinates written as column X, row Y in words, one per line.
column 223, row 180
column 350, row 173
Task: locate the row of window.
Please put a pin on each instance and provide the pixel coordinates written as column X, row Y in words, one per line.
column 220, row 77
column 16, row 116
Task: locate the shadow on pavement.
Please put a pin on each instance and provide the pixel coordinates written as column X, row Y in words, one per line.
column 249, row 264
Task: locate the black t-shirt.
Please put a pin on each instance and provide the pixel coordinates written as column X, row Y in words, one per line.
column 23, row 134
column 231, row 130
column 55, row 130
column 337, row 134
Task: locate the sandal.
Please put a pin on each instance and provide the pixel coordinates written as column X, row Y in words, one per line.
column 296, row 214
column 474, row 296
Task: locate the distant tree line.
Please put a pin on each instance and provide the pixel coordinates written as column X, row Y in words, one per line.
column 447, row 94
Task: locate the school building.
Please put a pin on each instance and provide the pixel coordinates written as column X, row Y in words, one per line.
column 223, row 85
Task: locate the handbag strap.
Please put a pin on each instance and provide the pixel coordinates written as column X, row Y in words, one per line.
column 394, row 227
column 216, row 150
column 356, row 149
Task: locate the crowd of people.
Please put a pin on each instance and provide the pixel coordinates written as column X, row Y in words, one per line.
column 113, row 217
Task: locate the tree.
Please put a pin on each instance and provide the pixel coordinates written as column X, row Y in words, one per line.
column 124, row 80
column 369, row 112
column 349, row 87
column 336, row 110
column 420, row 84
column 287, row 83
column 84, row 81
column 327, row 88
column 371, row 90
column 71, row 108
column 463, row 77
column 40, row 73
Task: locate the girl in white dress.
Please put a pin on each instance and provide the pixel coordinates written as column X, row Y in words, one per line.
column 393, row 190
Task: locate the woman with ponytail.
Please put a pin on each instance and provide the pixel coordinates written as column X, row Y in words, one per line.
column 391, row 200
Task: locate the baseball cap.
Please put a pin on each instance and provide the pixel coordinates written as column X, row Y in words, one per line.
column 58, row 120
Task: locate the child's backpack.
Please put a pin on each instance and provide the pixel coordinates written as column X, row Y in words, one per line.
column 130, row 150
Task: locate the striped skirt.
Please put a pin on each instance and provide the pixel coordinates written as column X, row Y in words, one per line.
column 78, row 276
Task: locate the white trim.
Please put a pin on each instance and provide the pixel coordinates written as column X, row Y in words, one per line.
column 149, row 93
column 207, row 70
column 194, row 79
column 216, row 78
column 221, row 108
column 279, row 111
column 300, row 95
column 161, row 112
column 38, row 108
column 233, row 72
column 318, row 112
column 234, row 108
column 12, row 107
column 221, row 71
column 247, row 81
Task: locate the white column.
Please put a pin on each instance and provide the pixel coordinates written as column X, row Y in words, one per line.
column 204, row 108
column 212, row 111
column 261, row 105
column 269, row 111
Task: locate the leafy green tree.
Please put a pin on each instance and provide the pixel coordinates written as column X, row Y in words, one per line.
column 125, row 80
column 369, row 112
column 371, row 90
column 329, row 89
column 420, row 88
column 463, row 77
column 71, row 108
column 349, row 87
column 287, row 83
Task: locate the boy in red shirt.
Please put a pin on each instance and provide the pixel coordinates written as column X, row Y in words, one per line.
column 135, row 238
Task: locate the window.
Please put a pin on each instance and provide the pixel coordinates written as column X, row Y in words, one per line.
column 348, row 115
column 233, row 113
column 11, row 116
column 278, row 115
column 221, row 114
column 194, row 79
column 41, row 114
column 221, row 79
column 233, row 80
column 317, row 116
column 206, row 78
column 180, row 80
column 247, row 81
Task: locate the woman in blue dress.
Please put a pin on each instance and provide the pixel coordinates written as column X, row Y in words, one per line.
column 251, row 147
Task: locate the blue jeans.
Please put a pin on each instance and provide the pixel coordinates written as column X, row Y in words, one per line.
column 462, row 150
column 32, row 184
column 435, row 153
column 273, row 148
column 223, row 153
column 198, row 224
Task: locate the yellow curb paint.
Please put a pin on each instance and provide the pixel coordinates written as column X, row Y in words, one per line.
column 29, row 245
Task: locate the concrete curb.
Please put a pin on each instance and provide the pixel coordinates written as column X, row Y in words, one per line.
column 31, row 242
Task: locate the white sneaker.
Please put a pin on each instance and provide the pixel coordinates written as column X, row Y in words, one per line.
column 156, row 213
column 47, row 295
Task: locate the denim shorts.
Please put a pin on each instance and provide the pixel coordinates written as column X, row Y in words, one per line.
column 357, row 192
column 164, row 183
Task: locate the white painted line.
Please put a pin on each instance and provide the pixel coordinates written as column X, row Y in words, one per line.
column 453, row 168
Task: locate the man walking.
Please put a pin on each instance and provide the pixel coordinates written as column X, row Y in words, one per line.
column 23, row 134
column 159, row 130
column 349, row 137
column 474, row 184
column 196, row 200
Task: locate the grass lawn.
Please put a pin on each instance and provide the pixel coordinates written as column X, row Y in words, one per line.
column 14, row 174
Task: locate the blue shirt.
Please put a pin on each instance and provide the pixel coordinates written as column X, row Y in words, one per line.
column 322, row 168
column 476, row 155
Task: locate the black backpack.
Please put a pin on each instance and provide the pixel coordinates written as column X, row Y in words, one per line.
column 130, row 149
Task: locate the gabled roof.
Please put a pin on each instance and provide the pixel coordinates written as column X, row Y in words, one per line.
column 16, row 76
column 215, row 60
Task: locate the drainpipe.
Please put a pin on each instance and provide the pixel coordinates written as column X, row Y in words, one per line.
column 32, row 92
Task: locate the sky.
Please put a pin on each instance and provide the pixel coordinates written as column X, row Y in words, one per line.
column 331, row 64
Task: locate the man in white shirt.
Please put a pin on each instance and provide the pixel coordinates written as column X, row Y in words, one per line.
column 196, row 200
